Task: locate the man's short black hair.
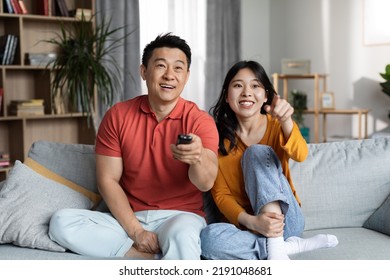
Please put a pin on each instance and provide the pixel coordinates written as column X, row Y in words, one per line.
column 169, row 41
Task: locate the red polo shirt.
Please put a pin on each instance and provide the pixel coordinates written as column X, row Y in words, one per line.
column 152, row 178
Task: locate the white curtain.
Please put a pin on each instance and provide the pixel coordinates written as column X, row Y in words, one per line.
column 184, row 18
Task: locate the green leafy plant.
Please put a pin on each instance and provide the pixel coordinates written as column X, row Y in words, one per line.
column 386, row 85
column 386, row 76
column 85, row 63
column 299, row 102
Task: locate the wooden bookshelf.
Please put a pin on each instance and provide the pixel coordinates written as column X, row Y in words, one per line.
column 21, row 81
column 319, row 82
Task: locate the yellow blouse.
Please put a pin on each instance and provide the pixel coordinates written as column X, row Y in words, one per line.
column 229, row 189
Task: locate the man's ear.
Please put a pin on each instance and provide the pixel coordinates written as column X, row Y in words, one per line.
column 142, row 70
column 188, row 75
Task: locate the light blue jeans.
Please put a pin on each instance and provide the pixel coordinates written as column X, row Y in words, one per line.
column 98, row 234
column 264, row 183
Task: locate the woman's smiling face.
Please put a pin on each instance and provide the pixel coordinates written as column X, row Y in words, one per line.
column 246, row 94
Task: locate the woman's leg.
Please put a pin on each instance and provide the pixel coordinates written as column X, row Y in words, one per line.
column 223, row 241
column 269, row 190
column 265, row 183
column 89, row 233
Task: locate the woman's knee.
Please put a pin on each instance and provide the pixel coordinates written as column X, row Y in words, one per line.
column 262, row 154
column 257, row 150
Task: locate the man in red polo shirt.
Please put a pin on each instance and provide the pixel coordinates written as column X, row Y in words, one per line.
column 152, row 186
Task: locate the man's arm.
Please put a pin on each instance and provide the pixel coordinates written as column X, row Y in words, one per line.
column 109, row 171
column 203, row 162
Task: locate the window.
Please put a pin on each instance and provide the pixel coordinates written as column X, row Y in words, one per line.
column 186, row 19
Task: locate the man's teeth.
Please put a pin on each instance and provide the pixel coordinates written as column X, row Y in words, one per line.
column 167, row 86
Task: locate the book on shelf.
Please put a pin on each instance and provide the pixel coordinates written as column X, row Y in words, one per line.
column 5, row 44
column 4, row 159
column 43, row 7
column 31, row 107
column 62, row 8
column 8, row 45
column 8, row 6
column 40, row 59
column 12, row 50
column 4, row 163
column 16, row 7
column 4, row 155
column 1, row 100
column 86, row 12
column 23, row 7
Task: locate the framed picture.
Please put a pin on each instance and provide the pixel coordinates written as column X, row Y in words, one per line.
column 376, row 22
column 327, row 100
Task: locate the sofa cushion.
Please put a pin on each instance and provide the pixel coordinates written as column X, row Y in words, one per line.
column 342, row 183
column 27, row 201
column 75, row 162
column 354, row 244
column 380, row 219
column 40, row 169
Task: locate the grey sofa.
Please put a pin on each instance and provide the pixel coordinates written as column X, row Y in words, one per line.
column 344, row 188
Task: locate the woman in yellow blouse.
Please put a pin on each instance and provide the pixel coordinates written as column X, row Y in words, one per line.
column 254, row 192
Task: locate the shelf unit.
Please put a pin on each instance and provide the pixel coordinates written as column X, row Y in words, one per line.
column 21, row 81
column 320, row 86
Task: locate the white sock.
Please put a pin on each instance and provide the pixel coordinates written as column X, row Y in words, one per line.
column 276, row 249
column 296, row 244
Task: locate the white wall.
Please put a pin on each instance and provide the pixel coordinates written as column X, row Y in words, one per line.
column 330, row 34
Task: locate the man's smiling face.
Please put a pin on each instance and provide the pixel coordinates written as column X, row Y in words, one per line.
column 166, row 75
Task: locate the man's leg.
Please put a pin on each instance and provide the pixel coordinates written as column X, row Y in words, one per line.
column 89, row 233
column 179, row 236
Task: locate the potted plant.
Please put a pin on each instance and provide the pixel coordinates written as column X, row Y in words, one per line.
column 386, row 85
column 299, row 102
column 85, row 65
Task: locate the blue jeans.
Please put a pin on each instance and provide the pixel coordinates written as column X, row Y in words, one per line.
column 264, row 183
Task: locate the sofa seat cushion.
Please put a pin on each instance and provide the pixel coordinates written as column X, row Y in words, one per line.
column 12, row 252
column 354, row 244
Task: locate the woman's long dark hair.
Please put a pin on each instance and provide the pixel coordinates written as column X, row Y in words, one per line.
column 224, row 116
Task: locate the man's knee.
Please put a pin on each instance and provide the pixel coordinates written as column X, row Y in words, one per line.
column 59, row 224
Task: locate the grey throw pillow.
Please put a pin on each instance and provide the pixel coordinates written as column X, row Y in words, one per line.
column 27, row 202
column 380, row 219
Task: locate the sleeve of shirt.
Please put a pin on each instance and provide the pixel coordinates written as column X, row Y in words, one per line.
column 107, row 138
column 207, row 131
column 296, row 146
column 226, row 201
